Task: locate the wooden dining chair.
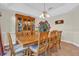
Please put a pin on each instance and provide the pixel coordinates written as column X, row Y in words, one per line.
column 52, row 42
column 59, row 33
column 14, row 49
column 42, row 45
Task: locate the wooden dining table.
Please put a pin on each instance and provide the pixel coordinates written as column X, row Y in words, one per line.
column 25, row 41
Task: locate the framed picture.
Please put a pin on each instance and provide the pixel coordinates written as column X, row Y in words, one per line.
column 59, row 21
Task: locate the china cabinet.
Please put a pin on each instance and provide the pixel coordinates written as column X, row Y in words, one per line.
column 24, row 23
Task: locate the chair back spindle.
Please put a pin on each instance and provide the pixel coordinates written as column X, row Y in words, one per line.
column 11, row 47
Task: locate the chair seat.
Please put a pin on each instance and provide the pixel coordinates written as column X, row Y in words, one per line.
column 34, row 48
column 18, row 48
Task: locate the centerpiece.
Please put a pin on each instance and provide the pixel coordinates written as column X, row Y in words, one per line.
column 44, row 26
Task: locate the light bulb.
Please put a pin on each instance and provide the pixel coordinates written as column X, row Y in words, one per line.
column 47, row 15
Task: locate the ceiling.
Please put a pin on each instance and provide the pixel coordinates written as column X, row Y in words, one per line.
column 40, row 6
column 35, row 9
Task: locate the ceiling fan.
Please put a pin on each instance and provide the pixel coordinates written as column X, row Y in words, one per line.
column 45, row 13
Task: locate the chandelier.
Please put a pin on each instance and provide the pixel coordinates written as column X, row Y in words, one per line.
column 44, row 14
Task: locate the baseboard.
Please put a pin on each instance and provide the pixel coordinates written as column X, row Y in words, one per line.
column 71, row 43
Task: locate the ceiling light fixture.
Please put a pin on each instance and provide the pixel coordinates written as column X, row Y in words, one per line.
column 44, row 14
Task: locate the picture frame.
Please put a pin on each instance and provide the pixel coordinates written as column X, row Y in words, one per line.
column 59, row 21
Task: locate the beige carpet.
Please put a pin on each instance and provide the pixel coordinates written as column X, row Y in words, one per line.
column 66, row 50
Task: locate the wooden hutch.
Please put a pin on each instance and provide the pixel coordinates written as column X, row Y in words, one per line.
column 24, row 23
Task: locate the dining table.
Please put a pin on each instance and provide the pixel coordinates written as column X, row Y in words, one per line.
column 25, row 41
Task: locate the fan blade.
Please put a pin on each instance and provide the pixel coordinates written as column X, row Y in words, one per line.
column 34, row 7
column 50, row 8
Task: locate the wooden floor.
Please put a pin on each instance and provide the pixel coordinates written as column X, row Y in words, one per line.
column 66, row 50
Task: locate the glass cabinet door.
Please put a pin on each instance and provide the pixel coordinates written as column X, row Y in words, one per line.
column 19, row 24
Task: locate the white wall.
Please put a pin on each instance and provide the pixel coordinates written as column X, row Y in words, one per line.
column 70, row 27
column 7, row 21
